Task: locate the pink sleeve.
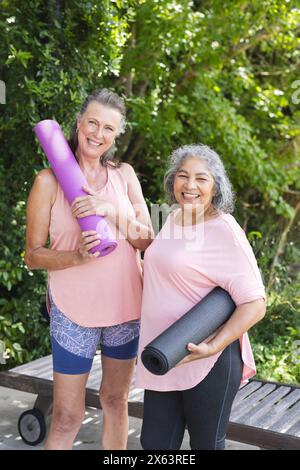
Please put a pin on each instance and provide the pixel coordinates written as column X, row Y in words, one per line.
column 237, row 271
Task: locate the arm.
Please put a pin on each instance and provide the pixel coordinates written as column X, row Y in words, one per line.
column 139, row 228
column 235, row 269
column 243, row 318
column 37, row 256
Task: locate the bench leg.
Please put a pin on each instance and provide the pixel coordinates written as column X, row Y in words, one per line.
column 44, row 404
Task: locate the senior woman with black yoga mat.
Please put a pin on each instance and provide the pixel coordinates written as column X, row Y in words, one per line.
column 200, row 247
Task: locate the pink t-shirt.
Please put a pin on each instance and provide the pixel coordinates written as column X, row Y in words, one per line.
column 105, row 291
column 181, row 266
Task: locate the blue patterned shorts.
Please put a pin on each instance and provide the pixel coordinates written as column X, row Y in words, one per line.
column 74, row 346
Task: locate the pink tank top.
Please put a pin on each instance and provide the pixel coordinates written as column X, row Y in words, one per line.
column 108, row 290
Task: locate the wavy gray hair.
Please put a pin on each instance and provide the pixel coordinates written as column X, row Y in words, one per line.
column 223, row 200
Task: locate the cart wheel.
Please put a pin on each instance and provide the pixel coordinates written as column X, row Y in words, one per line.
column 32, row 426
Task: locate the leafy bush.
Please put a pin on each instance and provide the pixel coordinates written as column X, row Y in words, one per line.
column 276, row 339
column 23, row 329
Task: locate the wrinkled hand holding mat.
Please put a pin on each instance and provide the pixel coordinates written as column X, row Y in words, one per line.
column 170, row 347
column 71, row 179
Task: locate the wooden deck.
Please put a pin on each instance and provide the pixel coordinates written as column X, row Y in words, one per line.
column 264, row 414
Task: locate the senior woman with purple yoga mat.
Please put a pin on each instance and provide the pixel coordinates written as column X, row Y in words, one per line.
column 71, row 180
column 94, row 300
column 199, row 248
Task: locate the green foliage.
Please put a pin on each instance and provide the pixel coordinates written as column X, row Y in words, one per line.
column 218, row 72
column 23, row 329
column 275, row 339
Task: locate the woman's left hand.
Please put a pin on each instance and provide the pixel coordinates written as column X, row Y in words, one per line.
column 199, row 351
column 92, row 205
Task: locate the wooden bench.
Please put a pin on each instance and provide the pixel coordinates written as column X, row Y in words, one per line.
column 264, row 414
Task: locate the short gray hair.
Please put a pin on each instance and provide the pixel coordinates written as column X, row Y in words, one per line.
column 223, row 200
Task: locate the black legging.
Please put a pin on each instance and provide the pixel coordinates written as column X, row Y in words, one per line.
column 203, row 409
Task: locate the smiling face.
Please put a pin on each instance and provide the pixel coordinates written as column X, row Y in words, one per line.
column 97, row 129
column 194, row 185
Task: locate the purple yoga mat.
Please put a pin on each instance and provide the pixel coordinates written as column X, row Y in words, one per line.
column 71, row 179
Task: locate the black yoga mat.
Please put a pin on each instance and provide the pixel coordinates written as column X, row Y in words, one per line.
column 167, row 349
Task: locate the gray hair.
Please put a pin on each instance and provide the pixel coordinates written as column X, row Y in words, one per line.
column 223, row 200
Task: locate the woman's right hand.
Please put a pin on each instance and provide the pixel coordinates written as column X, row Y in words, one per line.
column 88, row 240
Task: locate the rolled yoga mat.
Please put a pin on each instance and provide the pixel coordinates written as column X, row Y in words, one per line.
column 167, row 349
column 71, row 179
